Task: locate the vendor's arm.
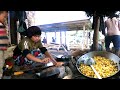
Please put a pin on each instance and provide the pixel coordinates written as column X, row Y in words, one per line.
column 47, row 54
column 50, row 56
column 53, row 60
column 26, row 53
column 33, row 58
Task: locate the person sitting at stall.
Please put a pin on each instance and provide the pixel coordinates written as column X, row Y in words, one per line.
column 30, row 51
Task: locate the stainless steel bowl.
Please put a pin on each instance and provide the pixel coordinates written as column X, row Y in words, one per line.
column 105, row 54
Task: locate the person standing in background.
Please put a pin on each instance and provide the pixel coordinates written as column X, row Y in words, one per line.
column 4, row 41
column 44, row 41
column 53, row 39
column 113, row 33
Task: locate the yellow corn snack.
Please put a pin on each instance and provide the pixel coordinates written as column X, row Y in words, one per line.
column 18, row 73
column 105, row 67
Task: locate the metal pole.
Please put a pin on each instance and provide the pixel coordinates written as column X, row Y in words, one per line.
column 9, row 27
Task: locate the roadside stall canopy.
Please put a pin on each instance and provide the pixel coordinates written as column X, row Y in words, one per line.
column 61, row 29
column 66, row 26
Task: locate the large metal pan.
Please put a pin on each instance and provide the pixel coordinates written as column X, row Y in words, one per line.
column 108, row 55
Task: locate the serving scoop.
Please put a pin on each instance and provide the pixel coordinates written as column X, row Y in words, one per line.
column 90, row 61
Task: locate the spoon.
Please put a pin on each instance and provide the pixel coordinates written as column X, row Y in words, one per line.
column 90, row 61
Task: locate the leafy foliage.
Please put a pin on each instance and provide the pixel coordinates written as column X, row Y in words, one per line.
column 105, row 12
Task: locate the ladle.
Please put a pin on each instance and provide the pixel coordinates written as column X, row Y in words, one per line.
column 90, row 61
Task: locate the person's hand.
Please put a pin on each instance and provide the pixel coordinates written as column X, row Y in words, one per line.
column 54, row 61
column 45, row 60
column 59, row 64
